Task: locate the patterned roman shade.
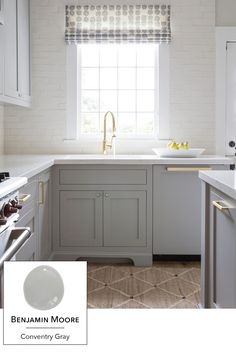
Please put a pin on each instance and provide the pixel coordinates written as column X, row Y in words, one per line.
column 117, row 24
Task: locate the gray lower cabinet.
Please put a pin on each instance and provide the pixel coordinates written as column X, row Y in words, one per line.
column 44, row 216
column 102, row 211
column 125, row 218
column 81, row 218
column 222, row 252
column 36, row 214
column 177, row 209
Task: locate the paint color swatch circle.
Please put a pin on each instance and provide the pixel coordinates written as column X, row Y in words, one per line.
column 43, row 288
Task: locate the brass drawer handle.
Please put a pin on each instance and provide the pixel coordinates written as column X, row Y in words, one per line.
column 24, row 198
column 221, row 207
column 41, row 186
column 187, row 169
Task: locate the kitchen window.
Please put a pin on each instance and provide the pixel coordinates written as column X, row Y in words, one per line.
column 132, row 81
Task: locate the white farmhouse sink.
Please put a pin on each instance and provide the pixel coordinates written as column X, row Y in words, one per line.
column 166, row 152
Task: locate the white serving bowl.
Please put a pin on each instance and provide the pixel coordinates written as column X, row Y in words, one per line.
column 166, row 152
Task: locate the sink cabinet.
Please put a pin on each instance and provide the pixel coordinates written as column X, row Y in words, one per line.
column 80, row 218
column 103, row 211
column 218, row 250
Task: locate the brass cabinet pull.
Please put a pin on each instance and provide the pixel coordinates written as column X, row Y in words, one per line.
column 41, row 186
column 221, row 207
column 187, row 169
column 24, row 198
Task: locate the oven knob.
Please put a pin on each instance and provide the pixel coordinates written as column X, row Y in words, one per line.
column 15, row 204
column 3, row 221
column 9, row 209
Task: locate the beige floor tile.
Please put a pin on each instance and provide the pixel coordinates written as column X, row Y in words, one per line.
column 179, row 287
column 157, row 298
column 153, row 275
column 184, row 304
column 106, row 298
column 192, row 275
column 108, row 274
column 93, row 285
column 195, row 298
column 131, row 286
column 132, row 304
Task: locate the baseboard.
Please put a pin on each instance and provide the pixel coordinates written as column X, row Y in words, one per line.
column 177, row 257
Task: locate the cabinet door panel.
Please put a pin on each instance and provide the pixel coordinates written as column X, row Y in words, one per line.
column 125, row 218
column 223, row 255
column 24, row 48
column 11, row 55
column 176, row 212
column 80, row 218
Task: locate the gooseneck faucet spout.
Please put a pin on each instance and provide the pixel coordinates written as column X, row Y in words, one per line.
column 107, row 145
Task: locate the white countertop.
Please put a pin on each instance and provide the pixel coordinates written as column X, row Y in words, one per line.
column 30, row 165
column 225, row 181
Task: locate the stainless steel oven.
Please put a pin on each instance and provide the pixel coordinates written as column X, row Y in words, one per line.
column 12, row 241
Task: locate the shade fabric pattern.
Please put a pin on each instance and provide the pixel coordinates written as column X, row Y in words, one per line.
column 117, row 24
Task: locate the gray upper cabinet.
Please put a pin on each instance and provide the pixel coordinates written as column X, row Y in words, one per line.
column 15, row 41
column 125, row 218
column 80, row 218
column 44, row 216
column 23, row 12
column 222, row 253
column 11, row 54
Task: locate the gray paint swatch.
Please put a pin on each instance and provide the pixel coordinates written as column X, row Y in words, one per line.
column 43, row 288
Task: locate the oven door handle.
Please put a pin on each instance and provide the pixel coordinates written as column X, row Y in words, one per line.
column 18, row 235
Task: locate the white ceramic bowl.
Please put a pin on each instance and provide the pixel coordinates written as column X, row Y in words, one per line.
column 166, row 152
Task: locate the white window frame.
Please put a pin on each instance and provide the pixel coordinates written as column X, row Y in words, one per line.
column 223, row 36
column 73, row 126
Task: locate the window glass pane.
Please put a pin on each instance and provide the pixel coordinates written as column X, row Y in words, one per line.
column 90, row 122
column 145, row 123
column 108, row 100
column 127, row 78
column 108, row 56
column 108, row 78
column 126, row 122
column 145, row 101
column 127, row 56
column 145, row 56
column 89, row 55
column 89, row 101
column 126, row 101
column 90, row 78
column 145, row 78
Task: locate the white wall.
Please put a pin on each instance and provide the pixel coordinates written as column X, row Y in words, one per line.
column 1, row 129
column 41, row 129
column 225, row 13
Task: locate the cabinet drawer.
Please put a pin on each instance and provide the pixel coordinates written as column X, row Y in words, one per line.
column 103, row 176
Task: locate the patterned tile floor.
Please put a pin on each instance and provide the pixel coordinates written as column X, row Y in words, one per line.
column 164, row 285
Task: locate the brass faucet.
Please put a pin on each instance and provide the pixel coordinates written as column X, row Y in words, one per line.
column 105, row 143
